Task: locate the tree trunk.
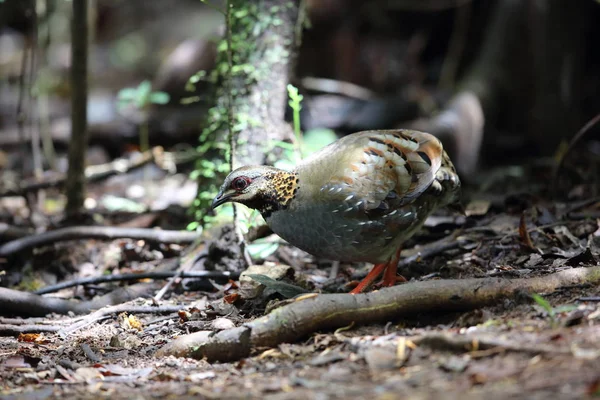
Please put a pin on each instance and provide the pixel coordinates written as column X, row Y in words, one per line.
column 264, row 43
column 264, row 36
column 75, row 184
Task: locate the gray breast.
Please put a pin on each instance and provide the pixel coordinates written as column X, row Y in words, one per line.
column 344, row 233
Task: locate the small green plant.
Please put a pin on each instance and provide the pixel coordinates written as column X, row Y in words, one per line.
column 304, row 144
column 142, row 97
column 552, row 311
column 295, row 103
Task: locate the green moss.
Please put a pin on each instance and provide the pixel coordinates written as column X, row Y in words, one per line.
column 250, row 65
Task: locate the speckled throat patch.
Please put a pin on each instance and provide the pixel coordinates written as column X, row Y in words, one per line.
column 283, row 188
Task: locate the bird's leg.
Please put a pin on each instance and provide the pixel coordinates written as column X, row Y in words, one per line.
column 389, row 276
column 375, row 272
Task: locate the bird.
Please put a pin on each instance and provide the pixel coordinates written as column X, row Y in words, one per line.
column 356, row 200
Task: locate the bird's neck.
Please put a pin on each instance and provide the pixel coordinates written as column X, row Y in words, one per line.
column 280, row 188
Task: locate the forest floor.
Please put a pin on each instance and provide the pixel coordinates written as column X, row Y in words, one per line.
column 516, row 348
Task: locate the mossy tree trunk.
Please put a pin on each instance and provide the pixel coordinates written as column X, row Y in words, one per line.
column 264, row 37
column 264, row 44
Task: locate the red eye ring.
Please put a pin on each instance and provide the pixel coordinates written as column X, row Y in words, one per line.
column 240, row 183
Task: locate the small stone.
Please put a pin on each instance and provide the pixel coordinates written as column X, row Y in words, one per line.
column 250, row 289
column 381, row 358
column 220, row 324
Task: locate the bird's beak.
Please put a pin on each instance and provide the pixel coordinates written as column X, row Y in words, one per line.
column 222, row 198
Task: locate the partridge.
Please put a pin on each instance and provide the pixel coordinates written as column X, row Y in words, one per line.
column 356, row 200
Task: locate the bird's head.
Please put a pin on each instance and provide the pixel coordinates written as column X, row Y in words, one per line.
column 260, row 187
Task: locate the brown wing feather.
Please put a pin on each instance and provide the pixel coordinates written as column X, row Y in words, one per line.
column 380, row 165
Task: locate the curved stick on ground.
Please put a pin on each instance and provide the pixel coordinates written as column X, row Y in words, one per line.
column 15, row 302
column 8, row 232
column 303, row 317
column 15, row 330
column 96, row 232
column 217, row 275
column 120, row 308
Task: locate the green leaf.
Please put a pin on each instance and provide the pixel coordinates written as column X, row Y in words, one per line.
column 159, row 98
column 114, row 203
column 127, row 94
column 144, row 88
column 316, row 139
column 189, row 100
column 565, row 308
column 283, row 145
column 192, row 226
column 284, row 289
column 143, row 94
column 262, row 250
column 542, row 302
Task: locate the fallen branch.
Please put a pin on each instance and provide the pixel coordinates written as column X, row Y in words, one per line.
column 475, row 343
column 96, row 232
column 314, row 312
column 15, row 330
column 9, row 232
column 15, row 302
column 93, row 173
column 118, row 309
column 217, row 275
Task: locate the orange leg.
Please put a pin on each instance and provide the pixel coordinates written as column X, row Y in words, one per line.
column 375, row 272
column 388, row 270
column 389, row 276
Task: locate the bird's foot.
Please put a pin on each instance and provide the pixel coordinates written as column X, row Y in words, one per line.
column 389, row 271
column 375, row 273
column 390, row 282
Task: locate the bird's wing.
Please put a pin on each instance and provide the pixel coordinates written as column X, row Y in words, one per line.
column 380, row 169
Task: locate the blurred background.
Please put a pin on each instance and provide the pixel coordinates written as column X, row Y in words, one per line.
column 532, row 66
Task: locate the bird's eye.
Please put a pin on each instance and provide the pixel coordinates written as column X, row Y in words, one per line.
column 240, row 183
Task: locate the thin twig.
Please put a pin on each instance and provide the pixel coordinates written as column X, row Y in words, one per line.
column 121, row 308
column 589, row 298
column 89, row 353
column 13, row 330
column 96, row 232
column 188, row 260
column 217, row 275
column 475, row 344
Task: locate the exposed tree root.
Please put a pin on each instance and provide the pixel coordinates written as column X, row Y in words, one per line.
column 216, row 275
column 474, row 343
column 16, row 302
column 96, row 232
column 313, row 312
